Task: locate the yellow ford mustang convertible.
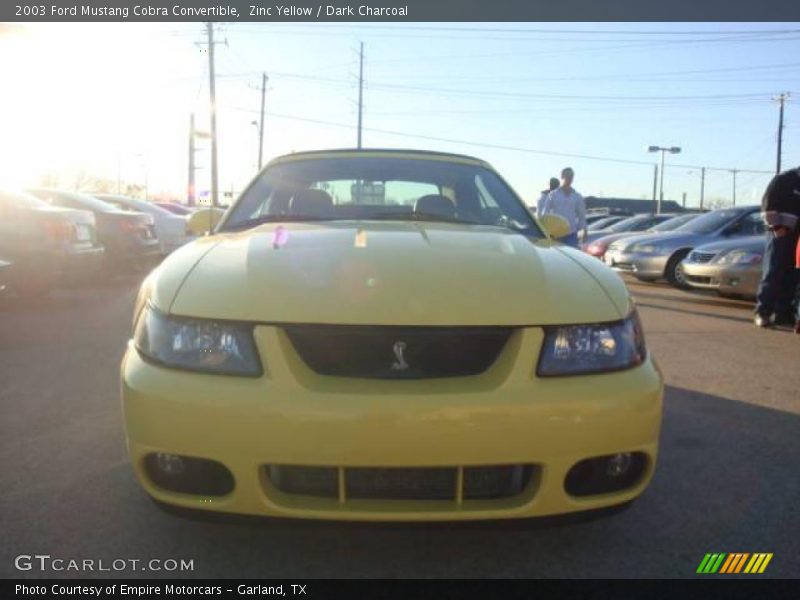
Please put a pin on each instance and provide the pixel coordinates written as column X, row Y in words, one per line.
column 388, row 335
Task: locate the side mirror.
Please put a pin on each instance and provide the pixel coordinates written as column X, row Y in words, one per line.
column 555, row 226
column 204, row 220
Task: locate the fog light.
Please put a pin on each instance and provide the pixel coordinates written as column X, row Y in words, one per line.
column 188, row 475
column 169, row 464
column 605, row 474
column 618, row 464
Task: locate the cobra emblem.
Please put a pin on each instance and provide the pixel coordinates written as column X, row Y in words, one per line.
column 400, row 363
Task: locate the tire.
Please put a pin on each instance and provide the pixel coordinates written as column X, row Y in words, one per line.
column 674, row 271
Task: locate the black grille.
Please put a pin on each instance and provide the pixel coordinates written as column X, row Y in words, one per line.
column 398, row 352
column 698, row 279
column 701, row 257
column 402, row 483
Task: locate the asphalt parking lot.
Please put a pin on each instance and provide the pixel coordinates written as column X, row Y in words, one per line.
column 728, row 478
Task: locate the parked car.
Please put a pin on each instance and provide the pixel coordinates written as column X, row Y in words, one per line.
column 731, row 267
column 177, row 209
column 598, row 247
column 129, row 238
column 422, row 349
column 595, row 214
column 650, row 257
column 604, row 222
column 636, row 223
column 171, row 229
column 48, row 246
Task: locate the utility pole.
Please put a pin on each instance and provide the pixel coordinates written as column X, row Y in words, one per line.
column 264, row 79
column 781, row 101
column 360, row 90
column 212, row 92
column 734, row 171
column 702, row 186
column 191, row 189
column 684, row 199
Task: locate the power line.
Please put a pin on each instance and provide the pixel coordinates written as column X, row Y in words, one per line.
column 490, row 145
column 489, row 93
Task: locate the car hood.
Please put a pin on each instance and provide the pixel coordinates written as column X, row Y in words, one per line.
column 387, row 273
column 749, row 243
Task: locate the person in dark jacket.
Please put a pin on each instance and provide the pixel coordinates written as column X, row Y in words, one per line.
column 781, row 211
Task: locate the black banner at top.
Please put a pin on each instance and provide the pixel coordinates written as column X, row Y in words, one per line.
column 355, row 11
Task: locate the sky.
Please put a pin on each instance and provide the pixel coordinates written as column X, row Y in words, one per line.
column 114, row 100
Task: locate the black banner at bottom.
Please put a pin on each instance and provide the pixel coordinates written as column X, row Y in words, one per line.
column 379, row 589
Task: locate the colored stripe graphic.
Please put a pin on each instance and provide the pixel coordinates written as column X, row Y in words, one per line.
column 734, row 563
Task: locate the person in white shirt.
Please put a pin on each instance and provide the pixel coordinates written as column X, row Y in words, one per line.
column 554, row 183
column 568, row 204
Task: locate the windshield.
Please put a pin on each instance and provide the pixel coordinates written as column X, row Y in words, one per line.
column 673, row 223
column 379, row 188
column 710, row 222
column 637, row 223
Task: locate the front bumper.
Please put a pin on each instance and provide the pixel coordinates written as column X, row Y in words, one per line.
column 650, row 266
column 292, row 416
column 726, row 279
column 702, row 275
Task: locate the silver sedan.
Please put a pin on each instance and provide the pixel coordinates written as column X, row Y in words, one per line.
column 732, row 268
column 652, row 257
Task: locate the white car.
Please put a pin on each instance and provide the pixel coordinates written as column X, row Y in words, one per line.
column 171, row 229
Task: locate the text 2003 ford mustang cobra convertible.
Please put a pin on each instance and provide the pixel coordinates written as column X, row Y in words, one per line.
column 388, row 335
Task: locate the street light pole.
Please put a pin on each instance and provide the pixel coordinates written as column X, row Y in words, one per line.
column 663, row 150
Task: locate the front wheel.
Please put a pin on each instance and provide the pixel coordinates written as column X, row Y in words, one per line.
column 674, row 272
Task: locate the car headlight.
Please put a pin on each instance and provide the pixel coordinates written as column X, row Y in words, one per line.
column 740, row 257
column 592, row 348
column 197, row 344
